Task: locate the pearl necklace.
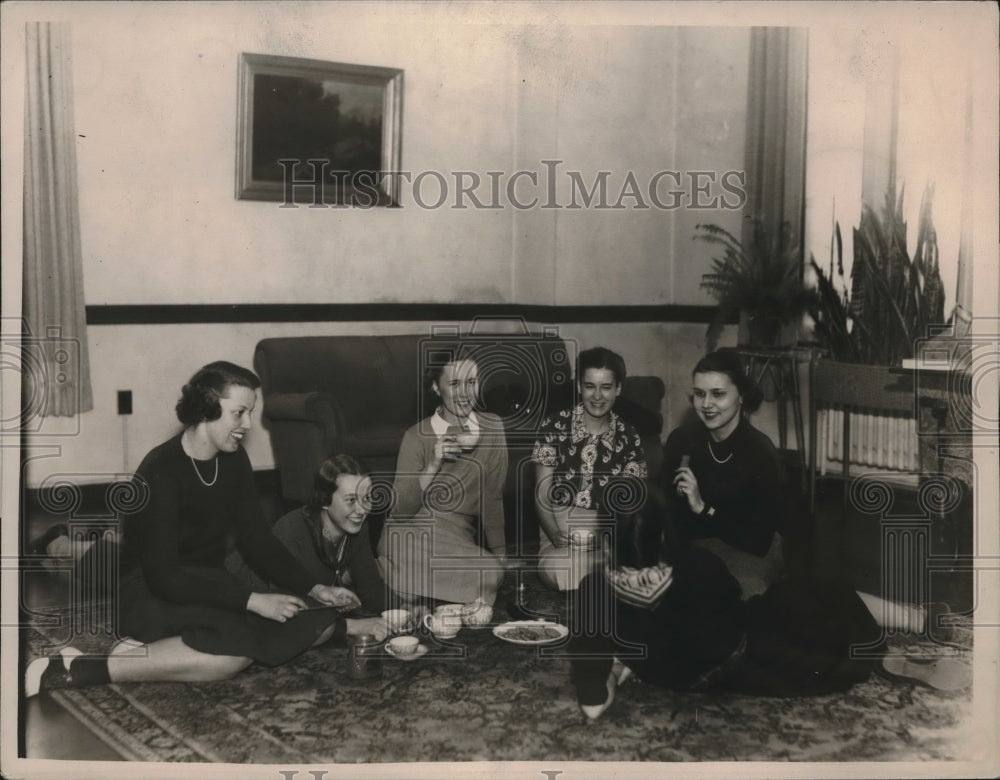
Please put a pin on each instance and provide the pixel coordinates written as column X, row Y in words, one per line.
column 200, row 478
column 717, row 460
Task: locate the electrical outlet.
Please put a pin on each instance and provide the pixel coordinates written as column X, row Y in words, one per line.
column 124, row 402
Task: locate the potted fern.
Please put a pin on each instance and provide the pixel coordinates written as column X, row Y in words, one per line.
column 759, row 282
column 893, row 298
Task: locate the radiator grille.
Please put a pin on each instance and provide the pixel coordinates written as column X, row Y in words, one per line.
column 877, row 441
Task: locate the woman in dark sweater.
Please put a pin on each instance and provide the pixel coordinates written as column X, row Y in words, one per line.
column 725, row 476
column 193, row 619
column 672, row 614
column 328, row 536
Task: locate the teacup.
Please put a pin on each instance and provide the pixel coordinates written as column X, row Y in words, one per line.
column 397, row 620
column 467, row 440
column 404, row 645
column 446, row 620
column 478, row 613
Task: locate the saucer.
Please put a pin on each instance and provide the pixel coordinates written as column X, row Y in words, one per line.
column 418, row 653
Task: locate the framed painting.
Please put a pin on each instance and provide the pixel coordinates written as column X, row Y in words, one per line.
column 311, row 132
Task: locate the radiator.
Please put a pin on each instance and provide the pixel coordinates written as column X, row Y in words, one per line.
column 877, row 441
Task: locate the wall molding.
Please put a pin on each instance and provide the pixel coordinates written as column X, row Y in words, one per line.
column 198, row 313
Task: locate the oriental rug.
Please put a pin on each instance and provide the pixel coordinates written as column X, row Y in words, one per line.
column 477, row 698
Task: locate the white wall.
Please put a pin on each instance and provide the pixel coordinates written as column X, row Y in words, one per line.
column 156, row 116
column 156, row 120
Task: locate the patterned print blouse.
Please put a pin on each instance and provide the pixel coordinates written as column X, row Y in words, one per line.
column 585, row 463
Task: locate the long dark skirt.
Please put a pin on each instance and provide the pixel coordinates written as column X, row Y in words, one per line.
column 798, row 638
column 215, row 630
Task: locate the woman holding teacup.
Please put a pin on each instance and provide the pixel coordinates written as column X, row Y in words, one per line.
column 583, row 455
column 188, row 618
column 329, row 537
column 449, row 481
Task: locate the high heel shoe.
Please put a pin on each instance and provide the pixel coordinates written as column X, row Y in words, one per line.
column 620, row 671
column 45, row 674
column 594, row 711
column 39, row 545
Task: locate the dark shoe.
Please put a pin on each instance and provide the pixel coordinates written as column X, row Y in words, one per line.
column 46, row 674
column 39, row 545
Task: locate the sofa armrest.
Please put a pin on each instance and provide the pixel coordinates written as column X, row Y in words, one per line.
column 316, row 407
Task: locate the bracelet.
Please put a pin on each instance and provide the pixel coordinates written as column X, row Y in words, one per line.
column 707, row 511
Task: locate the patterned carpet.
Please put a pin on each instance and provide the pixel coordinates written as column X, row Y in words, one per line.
column 480, row 699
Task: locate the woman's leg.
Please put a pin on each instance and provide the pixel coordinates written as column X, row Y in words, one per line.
column 563, row 568
column 170, row 660
column 891, row 614
column 165, row 660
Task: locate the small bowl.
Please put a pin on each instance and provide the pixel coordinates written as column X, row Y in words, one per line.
column 398, row 621
column 477, row 614
column 404, row 645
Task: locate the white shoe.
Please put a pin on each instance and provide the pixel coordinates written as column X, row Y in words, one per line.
column 942, row 674
column 594, row 711
column 620, row 671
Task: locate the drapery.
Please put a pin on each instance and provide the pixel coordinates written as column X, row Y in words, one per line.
column 776, row 131
column 55, row 363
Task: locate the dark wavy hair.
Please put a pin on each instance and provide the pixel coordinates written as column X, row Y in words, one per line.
column 325, row 480
column 199, row 401
column 600, row 358
column 728, row 361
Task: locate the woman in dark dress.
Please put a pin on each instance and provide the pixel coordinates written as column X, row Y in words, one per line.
column 328, row 536
column 673, row 615
column 194, row 620
column 725, row 475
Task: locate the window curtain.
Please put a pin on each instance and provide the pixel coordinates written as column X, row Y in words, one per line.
column 776, row 131
column 56, row 367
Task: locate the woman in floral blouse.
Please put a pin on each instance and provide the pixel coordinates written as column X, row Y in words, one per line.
column 589, row 465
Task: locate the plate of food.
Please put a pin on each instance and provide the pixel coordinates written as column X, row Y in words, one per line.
column 530, row 632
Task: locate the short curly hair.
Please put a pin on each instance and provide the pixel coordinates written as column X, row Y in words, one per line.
column 325, row 480
column 600, row 358
column 199, row 401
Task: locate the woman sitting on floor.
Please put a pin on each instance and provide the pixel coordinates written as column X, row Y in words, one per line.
column 725, row 475
column 328, row 536
column 673, row 615
column 450, row 473
column 195, row 620
column 582, row 454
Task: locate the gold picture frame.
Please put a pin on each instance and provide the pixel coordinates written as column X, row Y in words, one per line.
column 315, row 132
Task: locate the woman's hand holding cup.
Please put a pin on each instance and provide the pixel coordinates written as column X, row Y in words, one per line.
column 447, row 448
